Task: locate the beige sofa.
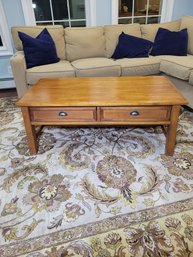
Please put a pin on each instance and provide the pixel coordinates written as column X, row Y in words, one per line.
column 86, row 52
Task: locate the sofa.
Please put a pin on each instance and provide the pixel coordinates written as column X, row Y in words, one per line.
column 86, row 52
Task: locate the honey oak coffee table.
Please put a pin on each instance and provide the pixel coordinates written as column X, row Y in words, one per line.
column 99, row 101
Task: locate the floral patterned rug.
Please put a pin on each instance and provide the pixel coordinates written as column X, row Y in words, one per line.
column 95, row 191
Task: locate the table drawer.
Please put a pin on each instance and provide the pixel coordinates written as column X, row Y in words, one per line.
column 152, row 113
column 63, row 114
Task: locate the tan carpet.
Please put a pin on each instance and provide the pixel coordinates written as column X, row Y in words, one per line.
column 95, row 191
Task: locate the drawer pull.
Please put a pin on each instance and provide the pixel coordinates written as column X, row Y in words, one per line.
column 63, row 114
column 134, row 113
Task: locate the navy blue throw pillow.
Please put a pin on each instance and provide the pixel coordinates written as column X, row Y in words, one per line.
column 131, row 47
column 170, row 42
column 40, row 50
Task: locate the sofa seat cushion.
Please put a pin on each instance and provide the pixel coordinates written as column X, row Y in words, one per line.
column 191, row 79
column 96, row 67
column 177, row 66
column 62, row 69
column 112, row 33
column 139, row 66
column 84, row 43
column 185, row 89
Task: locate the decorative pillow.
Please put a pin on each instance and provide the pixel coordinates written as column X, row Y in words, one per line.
column 40, row 50
column 131, row 47
column 170, row 42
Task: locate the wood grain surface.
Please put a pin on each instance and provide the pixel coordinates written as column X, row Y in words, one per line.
column 99, row 91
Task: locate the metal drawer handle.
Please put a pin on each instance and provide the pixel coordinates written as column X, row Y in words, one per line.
column 134, row 113
column 63, row 114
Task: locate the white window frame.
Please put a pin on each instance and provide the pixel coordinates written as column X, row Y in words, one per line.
column 167, row 10
column 6, row 49
column 30, row 17
column 166, row 13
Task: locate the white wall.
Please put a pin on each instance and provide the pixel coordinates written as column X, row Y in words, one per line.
column 182, row 8
column 14, row 17
column 103, row 12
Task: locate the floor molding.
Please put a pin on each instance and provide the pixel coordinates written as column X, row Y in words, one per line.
column 7, row 83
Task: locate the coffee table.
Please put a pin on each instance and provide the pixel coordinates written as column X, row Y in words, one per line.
column 102, row 101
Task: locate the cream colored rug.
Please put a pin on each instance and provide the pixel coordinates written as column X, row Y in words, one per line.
column 95, row 191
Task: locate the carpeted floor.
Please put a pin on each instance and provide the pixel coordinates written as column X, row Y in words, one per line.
column 99, row 192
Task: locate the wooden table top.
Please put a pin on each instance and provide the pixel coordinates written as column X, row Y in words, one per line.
column 103, row 91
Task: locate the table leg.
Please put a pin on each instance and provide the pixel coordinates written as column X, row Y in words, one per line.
column 171, row 131
column 30, row 131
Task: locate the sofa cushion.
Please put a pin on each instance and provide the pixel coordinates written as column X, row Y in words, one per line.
column 84, row 43
column 56, row 32
column 184, row 88
column 130, row 47
column 187, row 22
column 191, row 79
column 139, row 66
column 177, row 66
column 40, row 50
column 62, row 69
column 112, row 33
column 149, row 31
column 96, row 67
column 170, row 42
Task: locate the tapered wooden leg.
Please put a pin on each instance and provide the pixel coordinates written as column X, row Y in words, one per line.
column 171, row 131
column 30, row 131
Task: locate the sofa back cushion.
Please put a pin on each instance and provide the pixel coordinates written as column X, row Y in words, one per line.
column 187, row 22
column 84, row 43
column 112, row 33
column 56, row 32
column 149, row 31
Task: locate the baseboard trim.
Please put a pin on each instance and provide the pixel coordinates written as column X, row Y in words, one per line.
column 7, row 84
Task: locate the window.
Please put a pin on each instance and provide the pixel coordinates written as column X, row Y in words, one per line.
column 69, row 13
column 5, row 42
column 141, row 11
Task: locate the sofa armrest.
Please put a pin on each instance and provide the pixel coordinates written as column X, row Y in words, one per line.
column 18, row 66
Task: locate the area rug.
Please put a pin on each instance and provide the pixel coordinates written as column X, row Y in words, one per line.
column 99, row 192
